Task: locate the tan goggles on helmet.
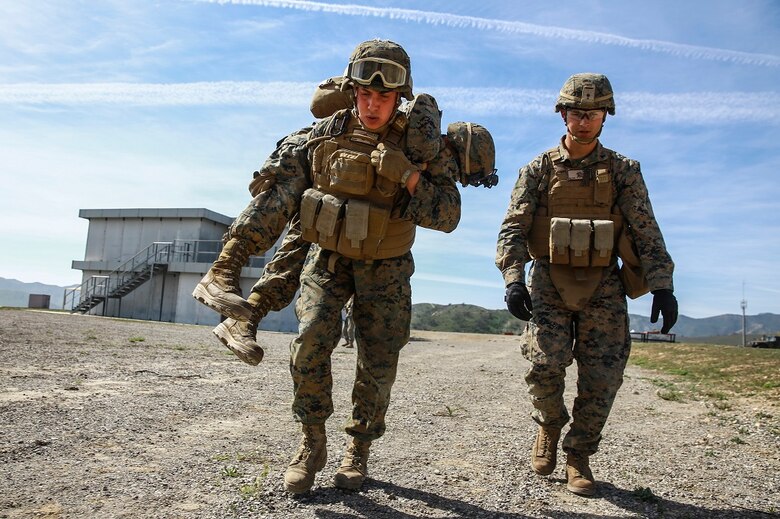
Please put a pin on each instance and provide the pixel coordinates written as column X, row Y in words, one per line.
column 363, row 71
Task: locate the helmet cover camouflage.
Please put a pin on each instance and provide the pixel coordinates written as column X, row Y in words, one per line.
column 475, row 153
column 586, row 91
column 386, row 51
column 423, row 129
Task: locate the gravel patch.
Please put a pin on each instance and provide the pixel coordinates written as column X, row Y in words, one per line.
column 102, row 418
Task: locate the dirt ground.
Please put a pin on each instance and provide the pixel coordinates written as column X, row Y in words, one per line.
column 134, row 419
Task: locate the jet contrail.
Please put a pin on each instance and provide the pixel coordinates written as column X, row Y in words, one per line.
column 690, row 107
column 512, row 27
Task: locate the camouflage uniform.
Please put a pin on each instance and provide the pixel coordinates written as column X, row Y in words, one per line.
column 574, row 211
column 596, row 336
column 382, row 309
column 280, row 279
column 279, row 183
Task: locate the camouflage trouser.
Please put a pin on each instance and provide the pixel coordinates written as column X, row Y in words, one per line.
column 382, row 312
column 263, row 220
column 281, row 276
column 597, row 337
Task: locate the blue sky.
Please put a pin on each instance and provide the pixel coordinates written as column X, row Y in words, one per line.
column 120, row 104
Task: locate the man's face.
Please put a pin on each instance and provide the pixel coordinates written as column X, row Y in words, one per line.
column 584, row 124
column 375, row 108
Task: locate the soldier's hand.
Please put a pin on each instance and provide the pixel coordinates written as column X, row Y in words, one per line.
column 665, row 303
column 392, row 164
column 518, row 301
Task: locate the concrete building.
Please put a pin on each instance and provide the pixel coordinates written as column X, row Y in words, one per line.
column 144, row 264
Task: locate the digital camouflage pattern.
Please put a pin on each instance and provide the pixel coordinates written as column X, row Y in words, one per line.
column 597, row 336
column 381, row 309
column 384, row 49
column 600, row 343
column 280, row 280
column 586, row 91
column 281, row 277
column 474, row 150
column 631, row 198
column 284, row 179
column 423, row 130
column 382, row 314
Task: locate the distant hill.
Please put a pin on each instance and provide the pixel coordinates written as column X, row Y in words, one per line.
column 17, row 293
column 475, row 319
column 721, row 329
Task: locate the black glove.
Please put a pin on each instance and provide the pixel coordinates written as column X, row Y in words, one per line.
column 518, row 301
column 665, row 303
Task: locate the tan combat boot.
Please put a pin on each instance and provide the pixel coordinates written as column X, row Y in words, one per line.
column 240, row 336
column 220, row 289
column 310, row 459
column 354, row 468
column 579, row 478
column 545, row 451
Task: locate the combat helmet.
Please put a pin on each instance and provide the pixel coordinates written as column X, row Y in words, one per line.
column 475, row 152
column 586, row 91
column 382, row 65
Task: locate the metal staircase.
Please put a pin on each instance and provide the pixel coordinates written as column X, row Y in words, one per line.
column 131, row 274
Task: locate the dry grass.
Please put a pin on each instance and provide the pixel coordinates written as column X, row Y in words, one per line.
column 714, row 371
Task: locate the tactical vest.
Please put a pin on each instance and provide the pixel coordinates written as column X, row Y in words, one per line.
column 575, row 222
column 578, row 227
column 351, row 209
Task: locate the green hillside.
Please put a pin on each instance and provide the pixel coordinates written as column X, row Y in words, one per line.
column 464, row 318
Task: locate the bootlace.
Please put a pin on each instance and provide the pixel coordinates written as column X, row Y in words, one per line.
column 544, row 448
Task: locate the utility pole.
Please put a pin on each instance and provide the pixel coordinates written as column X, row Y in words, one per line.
column 743, row 304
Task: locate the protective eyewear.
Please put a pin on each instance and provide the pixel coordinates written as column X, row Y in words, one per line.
column 363, row 71
column 583, row 115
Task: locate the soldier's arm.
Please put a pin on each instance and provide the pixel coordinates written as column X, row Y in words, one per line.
column 512, row 249
column 435, row 203
column 634, row 203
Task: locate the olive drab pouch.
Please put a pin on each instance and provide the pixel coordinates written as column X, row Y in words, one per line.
column 631, row 273
column 350, row 172
column 318, row 162
column 602, row 190
column 575, row 285
column 330, row 97
column 355, row 228
column 310, row 207
column 560, row 239
column 363, row 217
column 603, row 242
column 579, row 243
column 398, row 239
column 539, row 237
column 329, row 220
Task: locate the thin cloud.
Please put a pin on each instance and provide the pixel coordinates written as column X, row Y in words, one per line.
column 690, row 108
column 512, row 27
column 454, row 280
column 159, row 94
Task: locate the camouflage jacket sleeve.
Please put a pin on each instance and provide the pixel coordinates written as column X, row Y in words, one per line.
column 634, row 203
column 512, row 251
column 436, row 201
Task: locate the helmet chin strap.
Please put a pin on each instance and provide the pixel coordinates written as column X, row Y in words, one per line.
column 580, row 140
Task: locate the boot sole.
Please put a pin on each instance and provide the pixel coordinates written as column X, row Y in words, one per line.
column 343, row 482
column 251, row 357
column 302, row 489
column 239, row 313
column 587, row 492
